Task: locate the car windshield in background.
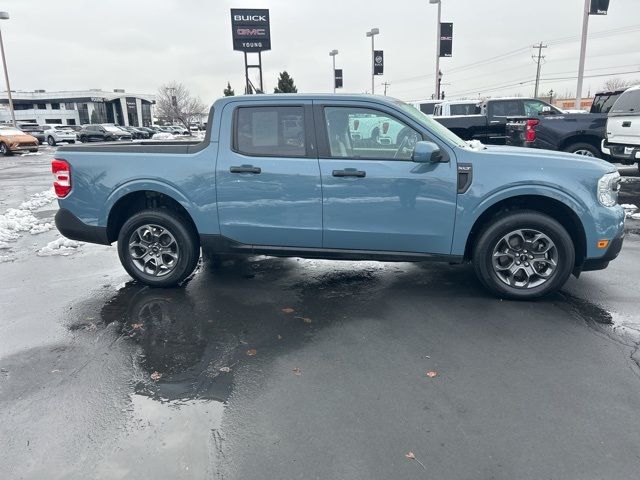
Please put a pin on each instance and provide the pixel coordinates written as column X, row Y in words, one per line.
column 627, row 104
column 434, row 126
column 112, row 129
column 11, row 131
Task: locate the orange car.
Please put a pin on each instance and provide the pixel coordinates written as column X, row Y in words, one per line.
column 13, row 140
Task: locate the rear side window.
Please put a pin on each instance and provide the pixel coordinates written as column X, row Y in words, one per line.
column 270, row 131
column 627, row 104
column 464, row 109
column 505, row 108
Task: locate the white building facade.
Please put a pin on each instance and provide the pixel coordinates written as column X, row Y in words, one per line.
column 79, row 107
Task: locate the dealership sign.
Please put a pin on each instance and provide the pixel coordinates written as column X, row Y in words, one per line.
column 446, row 39
column 250, row 29
column 599, row 7
column 338, row 78
column 378, row 62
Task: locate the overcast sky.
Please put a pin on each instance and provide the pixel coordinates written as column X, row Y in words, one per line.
column 140, row 44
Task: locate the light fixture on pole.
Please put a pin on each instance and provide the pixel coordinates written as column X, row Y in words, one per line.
column 438, row 34
column 5, row 16
column 372, row 33
column 333, row 54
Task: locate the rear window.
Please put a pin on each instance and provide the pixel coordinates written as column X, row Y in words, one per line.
column 627, row 104
column 505, row 108
column 603, row 102
column 270, row 131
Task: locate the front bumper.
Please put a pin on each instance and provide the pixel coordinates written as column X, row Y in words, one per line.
column 65, row 138
column 75, row 229
column 603, row 262
column 24, row 147
column 617, row 152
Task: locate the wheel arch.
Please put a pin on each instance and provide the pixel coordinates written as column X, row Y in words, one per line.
column 556, row 209
column 135, row 201
column 592, row 140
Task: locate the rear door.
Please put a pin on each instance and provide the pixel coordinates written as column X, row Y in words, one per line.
column 497, row 113
column 267, row 175
column 374, row 196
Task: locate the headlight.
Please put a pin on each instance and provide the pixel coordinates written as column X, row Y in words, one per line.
column 608, row 187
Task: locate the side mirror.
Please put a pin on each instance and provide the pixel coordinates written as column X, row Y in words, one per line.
column 427, row 152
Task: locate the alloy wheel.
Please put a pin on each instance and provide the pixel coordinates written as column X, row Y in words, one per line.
column 154, row 250
column 584, row 152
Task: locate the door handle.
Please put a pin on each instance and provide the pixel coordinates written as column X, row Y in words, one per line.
column 349, row 172
column 245, row 169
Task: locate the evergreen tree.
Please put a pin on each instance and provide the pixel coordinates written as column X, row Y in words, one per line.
column 229, row 92
column 285, row 84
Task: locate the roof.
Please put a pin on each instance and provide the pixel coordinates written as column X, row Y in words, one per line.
column 274, row 97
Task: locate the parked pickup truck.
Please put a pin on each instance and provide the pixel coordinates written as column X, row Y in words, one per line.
column 280, row 175
column 490, row 125
column 577, row 133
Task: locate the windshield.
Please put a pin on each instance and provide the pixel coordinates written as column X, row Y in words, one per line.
column 113, row 129
column 432, row 125
column 11, row 131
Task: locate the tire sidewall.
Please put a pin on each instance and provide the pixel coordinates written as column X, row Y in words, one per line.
column 524, row 220
column 189, row 249
column 51, row 141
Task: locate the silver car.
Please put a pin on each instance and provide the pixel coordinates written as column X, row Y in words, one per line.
column 55, row 134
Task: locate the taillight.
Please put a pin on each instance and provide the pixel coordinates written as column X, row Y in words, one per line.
column 530, row 133
column 385, row 128
column 61, row 177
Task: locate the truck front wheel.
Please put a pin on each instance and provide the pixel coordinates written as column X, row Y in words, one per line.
column 585, row 149
column 158, row 247
column 523, row 255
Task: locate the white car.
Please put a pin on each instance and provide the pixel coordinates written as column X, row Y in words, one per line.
column 459, row 107
column 623, row 128
column 55, row 134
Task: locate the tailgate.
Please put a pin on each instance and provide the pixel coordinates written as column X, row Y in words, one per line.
column 517, row 132
column 624, row 130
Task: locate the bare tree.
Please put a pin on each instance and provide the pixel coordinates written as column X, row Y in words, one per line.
column 175, row 102
column 614, row 84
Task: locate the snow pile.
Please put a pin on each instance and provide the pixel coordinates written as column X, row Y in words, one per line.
column 60, row 246
column 164, row 136
column 17, row 220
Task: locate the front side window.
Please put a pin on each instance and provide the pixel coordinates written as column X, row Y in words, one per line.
column 355, row 132
column 270, row 131
column 533, row 108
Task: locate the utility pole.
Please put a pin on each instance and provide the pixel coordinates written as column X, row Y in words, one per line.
column 583, row 52
column 540, row 58
column 385, row 88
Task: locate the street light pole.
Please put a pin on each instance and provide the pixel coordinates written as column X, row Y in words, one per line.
column 438, row 33
column 583, row 51
column 5, row 16
column 333, row 54
column 372, row 33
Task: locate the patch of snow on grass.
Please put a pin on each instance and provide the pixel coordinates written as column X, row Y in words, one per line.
column 60, row 246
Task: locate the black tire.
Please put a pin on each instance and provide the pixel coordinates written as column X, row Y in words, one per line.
column 185, row 238
column 583, row 147
column 83, row 139
column 4, row 150
column 51, row 141
column 72, row 141
column 109, row 139
column 501, row 226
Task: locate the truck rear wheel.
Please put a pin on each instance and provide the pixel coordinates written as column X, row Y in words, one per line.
column 523, row 255
column 585, row 149
column 158, row 247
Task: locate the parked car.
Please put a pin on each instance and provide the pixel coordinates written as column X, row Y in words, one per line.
column 34, row 130
column 526, row 219
column 59, row 133
column 622, row 143
column 102, row 133
column 577, row 133
column 13, row 140
column 458, row 107
column 489, row 125
column 136, row 133
column 426, row 106
column 178, row 130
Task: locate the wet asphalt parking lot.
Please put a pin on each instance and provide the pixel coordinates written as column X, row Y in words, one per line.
column 274, row 368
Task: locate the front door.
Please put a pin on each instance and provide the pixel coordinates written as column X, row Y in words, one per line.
column 268, row 177
column 374, row 196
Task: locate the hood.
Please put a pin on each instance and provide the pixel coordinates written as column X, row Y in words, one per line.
column 536, row 155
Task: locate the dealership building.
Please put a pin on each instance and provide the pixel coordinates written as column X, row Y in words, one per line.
column 79, row 107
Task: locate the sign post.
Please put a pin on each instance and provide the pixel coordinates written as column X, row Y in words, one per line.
column 251, row 33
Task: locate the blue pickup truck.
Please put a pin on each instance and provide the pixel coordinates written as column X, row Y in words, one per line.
column 285, row 175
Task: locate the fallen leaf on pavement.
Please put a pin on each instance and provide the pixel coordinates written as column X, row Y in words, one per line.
column 279, row 337
column 225, row 369
column 431, row 374
column 155, row 376
column 251, row 352
column 305, row 319
column 137, row 326
column 297, row 371
column 411, row 456
column 288, row 310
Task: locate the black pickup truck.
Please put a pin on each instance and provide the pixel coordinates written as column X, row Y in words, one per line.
column 490, row 125
column 580, row 133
